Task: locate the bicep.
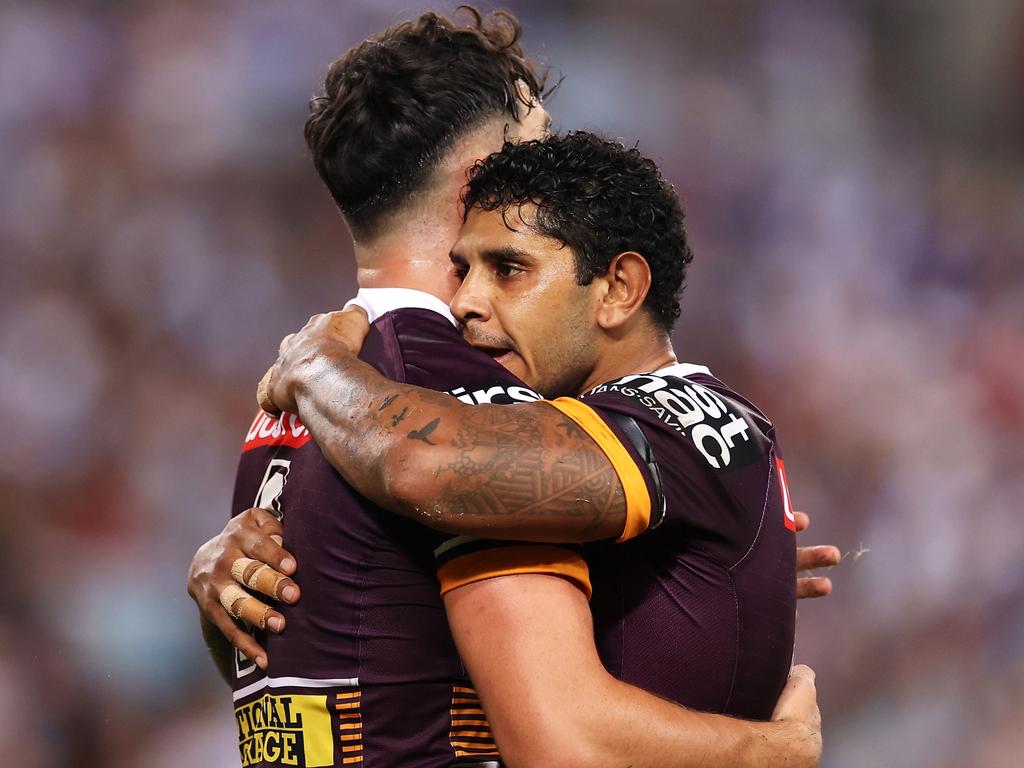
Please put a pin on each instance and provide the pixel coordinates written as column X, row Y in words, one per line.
column 528, row 645
column 526, row 472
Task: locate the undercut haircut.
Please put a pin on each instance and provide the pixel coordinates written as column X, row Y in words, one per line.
column 395, row 104
column 598, row 197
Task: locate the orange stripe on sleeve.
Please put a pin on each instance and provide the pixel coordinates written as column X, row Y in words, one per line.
column 638, row 499
column 515, row 559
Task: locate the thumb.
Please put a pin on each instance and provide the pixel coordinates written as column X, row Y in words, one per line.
column 263, row 396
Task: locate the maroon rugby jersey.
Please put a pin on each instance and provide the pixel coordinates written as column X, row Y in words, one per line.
column 366, row 673
column 368, row 659
column 699, row 605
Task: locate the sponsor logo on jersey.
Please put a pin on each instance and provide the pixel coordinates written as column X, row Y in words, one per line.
column 717, row 428
column 289, row 729
column 284, row 430
column 495, row 395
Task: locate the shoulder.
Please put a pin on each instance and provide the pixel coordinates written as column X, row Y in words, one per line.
column 413, row 320
column 693, row 411
column 413, row 333
column 434, row 355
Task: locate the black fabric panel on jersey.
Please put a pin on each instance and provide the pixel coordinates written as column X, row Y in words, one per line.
column 643, row 449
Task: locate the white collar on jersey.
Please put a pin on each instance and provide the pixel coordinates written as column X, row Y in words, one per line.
column 380, row 301
column 682, row 370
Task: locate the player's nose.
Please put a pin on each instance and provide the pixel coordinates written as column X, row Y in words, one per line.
column 470, row 302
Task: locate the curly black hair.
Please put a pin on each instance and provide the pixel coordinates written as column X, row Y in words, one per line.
column 598, row 197
column 393, row 105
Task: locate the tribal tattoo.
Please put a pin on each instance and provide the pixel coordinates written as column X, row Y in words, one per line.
column 510, row 463
column 513, row 471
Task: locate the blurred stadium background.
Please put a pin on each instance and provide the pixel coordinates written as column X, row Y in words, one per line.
column 854, row 179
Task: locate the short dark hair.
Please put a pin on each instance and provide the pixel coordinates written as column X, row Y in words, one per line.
column 394, row 104
column 598, row 197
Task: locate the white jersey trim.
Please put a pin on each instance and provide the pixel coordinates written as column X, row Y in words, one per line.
column 298, row 682
column 380, row 301
column 682, row 370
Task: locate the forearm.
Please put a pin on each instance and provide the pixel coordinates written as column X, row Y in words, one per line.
column 624, row 725
column 365, row 424
column 605, row 723
column 518, row 472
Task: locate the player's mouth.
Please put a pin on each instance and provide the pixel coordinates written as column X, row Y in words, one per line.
column 500, row 349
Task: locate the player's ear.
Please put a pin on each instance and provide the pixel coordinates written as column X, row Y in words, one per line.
column 625, row 286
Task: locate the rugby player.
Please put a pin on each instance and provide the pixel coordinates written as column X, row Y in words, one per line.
column 410, row 681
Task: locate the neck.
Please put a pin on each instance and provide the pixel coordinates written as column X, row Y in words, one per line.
column 640, row 352
column 416, row 271
column 413, row 255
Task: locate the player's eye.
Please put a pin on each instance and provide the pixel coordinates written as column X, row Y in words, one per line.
column 507, row 269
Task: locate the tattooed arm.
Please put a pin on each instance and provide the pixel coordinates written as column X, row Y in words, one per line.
column 523, row 471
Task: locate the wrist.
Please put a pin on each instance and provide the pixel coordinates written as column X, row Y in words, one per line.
column 294, row 373
column 321, row 369
column 788, row 742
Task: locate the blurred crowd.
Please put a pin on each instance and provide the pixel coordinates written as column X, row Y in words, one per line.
column 853, row 174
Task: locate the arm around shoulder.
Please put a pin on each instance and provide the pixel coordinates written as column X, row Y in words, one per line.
column 523, row 472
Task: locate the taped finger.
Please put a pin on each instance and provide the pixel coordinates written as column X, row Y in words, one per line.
column 241, row 605
column 259, row 576
column 263, row 397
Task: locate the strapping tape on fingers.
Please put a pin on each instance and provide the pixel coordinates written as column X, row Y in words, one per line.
column 257, row 575
column 263, row 393
column 241, row 605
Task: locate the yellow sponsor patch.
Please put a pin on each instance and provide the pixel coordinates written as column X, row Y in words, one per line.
column 288, row 729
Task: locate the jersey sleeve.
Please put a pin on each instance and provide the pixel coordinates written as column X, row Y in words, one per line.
column 463, row 560
column 636, row 471
column 712, row 451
